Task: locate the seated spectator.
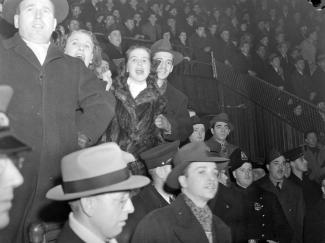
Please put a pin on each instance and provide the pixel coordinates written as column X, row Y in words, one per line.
column 200, row 45
column 138, row 23
column 83, row 44
column 99, row 25
column 198, row 134
column 182, row 46
column 220, row 128
column 171, row 27
column 274, row 73
column 300, row 81
column 225, row 49
column 158, row 163
column 73, row 24
column 114, row 48
column 243, row 62
column 318, row 78
column 151, row 29
column 259, row 60
column 10, row 158
column 97, row 185
column 308, row 49
column 138, row 104
column 315, row 155
column 188, row 218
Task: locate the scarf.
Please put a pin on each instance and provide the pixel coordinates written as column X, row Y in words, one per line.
column 203, row 215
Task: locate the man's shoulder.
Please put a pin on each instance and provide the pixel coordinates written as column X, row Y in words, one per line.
column 174, row 91
column 67, row 235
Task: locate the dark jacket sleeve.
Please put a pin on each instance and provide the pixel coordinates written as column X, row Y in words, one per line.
column 96, row 104
column 178, row 116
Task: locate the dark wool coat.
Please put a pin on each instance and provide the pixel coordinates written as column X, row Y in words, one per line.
column 42, row 113
column 133, row 127
column 177, row 224
column 216, row 147
column 292, row 202
column 67, row 235
column 146, row 201
column 315, row 223
column 251, row 213
column 177, row 114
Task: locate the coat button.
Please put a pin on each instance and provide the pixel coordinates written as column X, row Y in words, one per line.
column 263, row 225
column 263, row 215
column 263, row 235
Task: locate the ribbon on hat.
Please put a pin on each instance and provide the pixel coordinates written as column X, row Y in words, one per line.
column 96, row 182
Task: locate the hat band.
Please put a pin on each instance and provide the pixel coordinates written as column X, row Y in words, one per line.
column 96, row 182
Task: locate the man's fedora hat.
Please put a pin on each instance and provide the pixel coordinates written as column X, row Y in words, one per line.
column 221, row 117
column 96, row 170
column 61, row 9
column 164, row 45
column 160, row 155
column 192, row 152
column 9, row 144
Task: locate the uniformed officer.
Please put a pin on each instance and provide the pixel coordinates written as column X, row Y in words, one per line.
column 251, row 212
column 158, row 161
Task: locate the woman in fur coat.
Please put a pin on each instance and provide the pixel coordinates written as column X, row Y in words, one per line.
column 138, row 103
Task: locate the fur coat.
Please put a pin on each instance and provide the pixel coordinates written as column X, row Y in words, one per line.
column 133, row 127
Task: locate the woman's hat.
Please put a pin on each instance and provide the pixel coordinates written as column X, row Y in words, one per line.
column 96, row 170
column 61, row 9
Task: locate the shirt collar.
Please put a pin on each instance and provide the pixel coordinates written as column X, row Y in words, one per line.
column 83, row 233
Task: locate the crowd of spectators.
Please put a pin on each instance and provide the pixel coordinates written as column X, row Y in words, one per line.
column 138, row 111
column 278, row 41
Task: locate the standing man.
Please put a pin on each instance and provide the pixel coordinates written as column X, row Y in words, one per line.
column 250, row 212
column 188, row 219
column 97, row 184
column 158, row 161
column 315, row 155
column 49, row 88
column 289, row 195
column 176, row 123
column 10, row 159
column 220, row 129
column 299, row 168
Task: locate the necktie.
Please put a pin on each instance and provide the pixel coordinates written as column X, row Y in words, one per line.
column 278, row 186
column 171, row 199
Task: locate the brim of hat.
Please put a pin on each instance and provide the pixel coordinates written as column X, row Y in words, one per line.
column 172, row 179
column 10, row 6
column 9, row 144
column 177, row 56
column 134, row 182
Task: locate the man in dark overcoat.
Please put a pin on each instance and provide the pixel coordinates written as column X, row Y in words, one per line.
column 289, row 195
column 158, row 163
column 176, row 123
column 250, row 212
column 188, row 219
column 48, row 89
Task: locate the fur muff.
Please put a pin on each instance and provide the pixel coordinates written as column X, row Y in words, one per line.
column 133, row 127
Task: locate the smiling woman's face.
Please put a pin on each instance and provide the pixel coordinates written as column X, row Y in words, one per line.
column 138, row 64
column 80, row 45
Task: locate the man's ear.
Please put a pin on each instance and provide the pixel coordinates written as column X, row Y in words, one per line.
column 212, row 131
column 268, row 167
column 55, row 24
column 234, row 174
column 182, row 181
column 16, row 21
column 88, row 205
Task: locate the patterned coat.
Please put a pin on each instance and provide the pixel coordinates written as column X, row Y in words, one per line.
column 133, row 127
